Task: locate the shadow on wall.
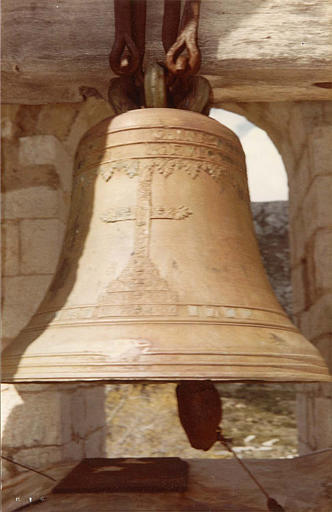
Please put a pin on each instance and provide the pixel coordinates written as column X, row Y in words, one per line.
column 48, row 423
column 77, row 230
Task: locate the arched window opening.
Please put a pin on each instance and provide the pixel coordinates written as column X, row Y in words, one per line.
column 267, row 177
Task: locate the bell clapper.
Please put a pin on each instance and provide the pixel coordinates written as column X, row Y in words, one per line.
column 200, row 413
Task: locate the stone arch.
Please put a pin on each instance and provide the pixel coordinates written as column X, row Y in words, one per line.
column 267, row 177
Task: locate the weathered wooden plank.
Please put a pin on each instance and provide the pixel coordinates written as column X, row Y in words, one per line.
column 258, row 49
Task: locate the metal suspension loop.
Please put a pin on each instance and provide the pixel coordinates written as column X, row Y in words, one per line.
column 128, row 48
column 138, row 24
column 157, row 88
column 187, row 39
column 171, row 22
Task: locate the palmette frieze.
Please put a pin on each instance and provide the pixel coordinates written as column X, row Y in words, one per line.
column 223, row 176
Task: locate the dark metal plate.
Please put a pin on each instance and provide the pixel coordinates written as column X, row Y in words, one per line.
column 126, row 475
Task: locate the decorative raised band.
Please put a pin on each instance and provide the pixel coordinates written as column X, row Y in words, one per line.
column 147, row 312
column 181, row 135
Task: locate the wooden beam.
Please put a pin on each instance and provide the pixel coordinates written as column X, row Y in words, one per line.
column 253, row 50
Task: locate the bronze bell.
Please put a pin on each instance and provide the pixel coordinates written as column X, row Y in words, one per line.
column 160, row 276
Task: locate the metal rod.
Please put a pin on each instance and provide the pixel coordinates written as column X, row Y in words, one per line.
column 230, row 449
column 27, row 467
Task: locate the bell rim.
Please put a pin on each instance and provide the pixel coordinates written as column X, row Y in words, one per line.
column 139, row 358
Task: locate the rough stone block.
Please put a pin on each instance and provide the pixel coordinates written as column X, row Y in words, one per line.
column 95, row 396
column 317, row 207
column 30, row 202
column 20, row 289
column 323, row 423
column 64, row 202
column 10, row 248
column 78, row 414
column 40, row 246
column 297, row 130
column 323, row 258
column 314, row 415
column 8, row 125
column 317, row 320
column 74, row 450
column 57, row 119
column 22, row 296
column 298, row 182
column 27, row 176
column 310, row 420
column 324, row 345
column 10, row 400
column 36, row 421
column 326, row 389
column 27, row 118
column 296, row 238
column 41, row 424
column 41, row 457
column 94, row 444
column 47, row 149
column 298, row 290
column 85, row 411
column 301, row 417
column 320, row 150
column 312, row 113
column 92, row 111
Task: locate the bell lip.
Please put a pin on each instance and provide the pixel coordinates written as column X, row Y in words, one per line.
column 120, row 122
column 80, row 368
column 145, row 354
column 167, row 380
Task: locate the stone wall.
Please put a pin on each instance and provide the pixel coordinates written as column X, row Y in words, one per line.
column 302, row 132
column 44, row 424
column 271, row 227
column 39, row 148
